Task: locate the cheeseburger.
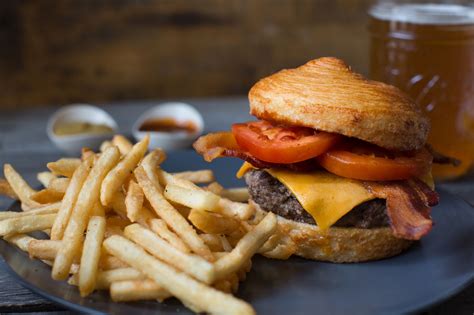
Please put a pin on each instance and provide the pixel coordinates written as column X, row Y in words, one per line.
column 340, row 159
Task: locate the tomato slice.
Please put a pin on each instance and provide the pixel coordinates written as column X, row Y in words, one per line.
column 367, row 162
column 282, row 144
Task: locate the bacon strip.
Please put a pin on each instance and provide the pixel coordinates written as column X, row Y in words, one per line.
column 408, row 206
column 223, row 144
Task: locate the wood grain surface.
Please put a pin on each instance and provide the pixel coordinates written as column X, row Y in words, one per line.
column 24, row 143
column 58, row 52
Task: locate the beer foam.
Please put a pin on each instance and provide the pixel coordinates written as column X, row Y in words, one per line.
column 429, row 13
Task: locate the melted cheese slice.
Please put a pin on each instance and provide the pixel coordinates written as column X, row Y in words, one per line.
column 325, row 196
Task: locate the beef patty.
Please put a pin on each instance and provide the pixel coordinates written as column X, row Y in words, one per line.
column 271, row 195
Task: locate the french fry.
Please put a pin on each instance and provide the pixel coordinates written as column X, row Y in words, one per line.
column 47, row 209
column 106, row 278
column 64, row 167
column 197, row 296
column 246, row 247
column 150, row 165
column 43, row 249
column 117, row 176
column 227, row 207
column 86, row 153
column 193, row 265
column 136, row 290
column 159, row 227
column 86, row 199
column 47, row 196
column 91, row 255
column 6, row 189
column 215, row 187
column 20, row 187
column 26, row 224
column 212, row 241
column 171, row 216
column 45, row 178
column 105, row 145
column 212, row 223
column 192, row 198
column 22, row 241
column 59, row 184
column 240, row 194
column 98, row 210
column 225, row 243
column 122, row 144
column 109, row 262
column 134, row 201
column 197, row 177
column 69, row 199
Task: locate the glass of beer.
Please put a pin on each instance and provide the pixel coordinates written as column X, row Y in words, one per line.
column 427, row 50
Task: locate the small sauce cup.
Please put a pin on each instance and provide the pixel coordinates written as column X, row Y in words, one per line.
column 171, row 126
column 72, row 142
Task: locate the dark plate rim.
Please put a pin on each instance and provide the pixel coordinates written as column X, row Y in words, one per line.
column 436, row 300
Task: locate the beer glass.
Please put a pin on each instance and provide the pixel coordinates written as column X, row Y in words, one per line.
column 427, row 50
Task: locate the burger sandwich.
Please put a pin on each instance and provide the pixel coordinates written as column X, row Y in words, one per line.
column 340, row 159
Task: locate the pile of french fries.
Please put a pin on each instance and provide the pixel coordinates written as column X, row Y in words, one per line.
column 117, row 221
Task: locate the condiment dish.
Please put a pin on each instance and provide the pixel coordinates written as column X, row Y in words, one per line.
column 181, row 113
column 73, row 143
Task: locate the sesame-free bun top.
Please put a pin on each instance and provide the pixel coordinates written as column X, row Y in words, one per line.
column 325, row 94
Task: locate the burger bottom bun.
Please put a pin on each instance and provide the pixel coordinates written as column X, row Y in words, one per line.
column 338, row 245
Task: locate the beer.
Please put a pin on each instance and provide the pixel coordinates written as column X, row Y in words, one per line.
column 427, row 50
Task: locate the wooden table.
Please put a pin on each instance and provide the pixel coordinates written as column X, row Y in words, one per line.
column 24, row 143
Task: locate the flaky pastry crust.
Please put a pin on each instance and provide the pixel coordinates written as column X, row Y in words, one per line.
column 325, row 94
column 338, row 245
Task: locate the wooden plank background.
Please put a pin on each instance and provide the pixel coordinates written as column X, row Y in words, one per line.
column 56, row 52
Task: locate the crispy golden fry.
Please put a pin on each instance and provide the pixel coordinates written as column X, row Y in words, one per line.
column 271, row 243
column 215, row 187
column 150, row 164
column 20, row 187
column 159, row 227
column 26, row 224
column 128, row 291
column 47, row 209
column 118, row 175
column 86, row 199
column 98, row 210
column 47, row 196
column 240, row 194
column 134, row 201
column 86, row 153
column 122, row 143
column 225, row 243
column 69, row 199
column 193, row 265
column 227, row 207
column 106, row 278
column 192, row 198
column 22, row 241
column 213, row 242
column 118, row 205
column 43, row 249
column 105, row 145
column 45, row 178
column 197, row 296
column 171, row 216
column 64, row 167
column 6, row 189
column 91, row 255
column 59, row 184
column 197, row 177
column 246, row 247
column 212, row 223
column 109, row 262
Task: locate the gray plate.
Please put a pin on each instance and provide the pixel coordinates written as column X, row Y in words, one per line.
column 436, row 268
